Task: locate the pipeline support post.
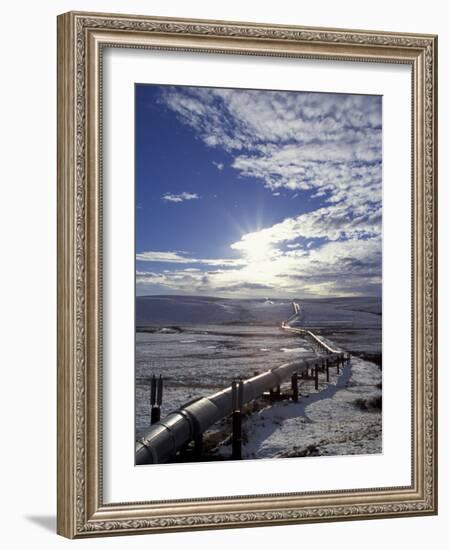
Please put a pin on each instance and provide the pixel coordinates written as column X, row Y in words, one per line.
column 275, row 394
column 155, row 415
column 327, row 370
column 316, row 376
column 295, row 387
column 156, row 398
column 237, row 408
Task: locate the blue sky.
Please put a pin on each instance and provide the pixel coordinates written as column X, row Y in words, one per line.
column 252, row 193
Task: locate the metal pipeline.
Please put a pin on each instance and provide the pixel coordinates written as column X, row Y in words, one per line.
column 321, row 343
column 165, row 438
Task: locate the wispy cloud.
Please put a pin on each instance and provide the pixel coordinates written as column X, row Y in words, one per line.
column 181, row 197
column 218, row 165
column 181, row 258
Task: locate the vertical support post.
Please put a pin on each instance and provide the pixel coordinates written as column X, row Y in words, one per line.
column 156, row 398
column 240, row 401
column 155, row 414
column 338, row 366
column 275, row 394
column 160, row 383
column 153, row 391
column 295, row 387
column 236, row 435
column 327, row 370
column 316, row 376
column 237, row 406
column 153, row 399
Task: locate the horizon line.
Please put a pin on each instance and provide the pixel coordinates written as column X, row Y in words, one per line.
column 255, row 298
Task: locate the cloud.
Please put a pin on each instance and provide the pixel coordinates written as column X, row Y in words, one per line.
column 169, row 257
column 249, row 118
column 179, row 258
column 181, row 197
column 219, row 165
column 331, row 223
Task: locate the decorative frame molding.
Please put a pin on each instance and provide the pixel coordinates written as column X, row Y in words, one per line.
column 81, row 37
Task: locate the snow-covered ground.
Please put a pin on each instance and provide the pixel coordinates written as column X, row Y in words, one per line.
column 359, row 313
column 200, row 344
column 341, row 418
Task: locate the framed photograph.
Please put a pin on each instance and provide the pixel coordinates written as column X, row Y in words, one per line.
column 246, row 274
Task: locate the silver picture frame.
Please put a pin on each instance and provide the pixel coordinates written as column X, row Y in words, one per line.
column 82, row 38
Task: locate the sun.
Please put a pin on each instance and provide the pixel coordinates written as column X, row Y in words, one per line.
column 254, row 247
column 259, row 249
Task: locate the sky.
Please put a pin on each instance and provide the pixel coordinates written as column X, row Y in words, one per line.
column 254, row 193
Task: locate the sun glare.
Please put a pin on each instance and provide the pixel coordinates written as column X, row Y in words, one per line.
column 259, row 249
column 254, row 247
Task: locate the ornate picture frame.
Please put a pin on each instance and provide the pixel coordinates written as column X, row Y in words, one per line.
column 82, row 40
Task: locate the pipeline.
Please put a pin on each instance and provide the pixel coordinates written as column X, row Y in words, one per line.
column 315, row 338
column 324, row 346
column 165, row 438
